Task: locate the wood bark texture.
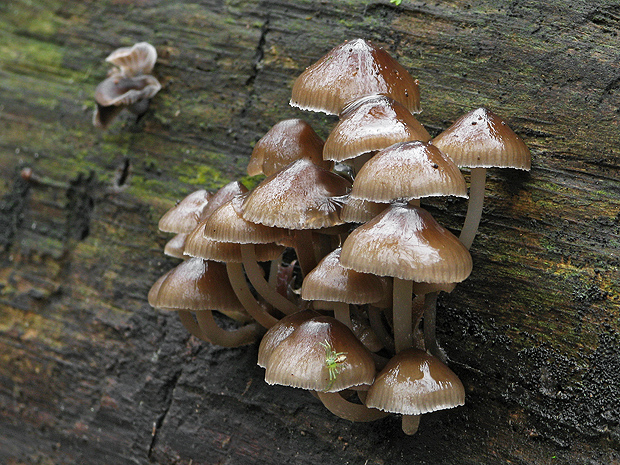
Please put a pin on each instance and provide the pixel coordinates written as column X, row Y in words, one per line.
column 90, row 373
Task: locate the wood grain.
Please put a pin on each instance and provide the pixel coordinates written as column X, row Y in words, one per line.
column 89, row 373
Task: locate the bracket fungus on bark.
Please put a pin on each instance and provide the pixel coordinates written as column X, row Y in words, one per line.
column 381, row 258
column 129, row 85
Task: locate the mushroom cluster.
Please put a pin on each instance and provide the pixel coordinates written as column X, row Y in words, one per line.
column 128, row 85
column 330, row 260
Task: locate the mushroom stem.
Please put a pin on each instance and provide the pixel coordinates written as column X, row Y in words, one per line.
column 255, row 275
column 403, row 324
column 342, row 314
column 342, row 408
column 240, row 286
column 410, row 424
column 190, row 324
column 273, row 271
column 305, row 250
column 430, row 336
column 244, row 335
column 474, row 207
column 374, row 317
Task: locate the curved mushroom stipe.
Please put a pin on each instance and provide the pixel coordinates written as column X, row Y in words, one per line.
column 342, row 408
column 189, row 323
column 410, row 424
column 245, row 335
column 474, row 207
column 376, row 323
column 403, row 321
column 240, row 286
column 430, row 336
column 255, row 275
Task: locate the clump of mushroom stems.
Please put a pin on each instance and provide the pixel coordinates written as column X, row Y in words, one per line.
column 408, row 310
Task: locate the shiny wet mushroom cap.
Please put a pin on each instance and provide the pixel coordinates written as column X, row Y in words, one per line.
column 286, row 142
column 185, row 215
column 371, row 123
column 408, row 170
column 303, row 358
column 480, row 138
column 301, row 196
column 414, row 382
column 354, row 69
column 406, row 242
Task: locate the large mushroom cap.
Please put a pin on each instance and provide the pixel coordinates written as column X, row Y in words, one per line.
column 352, row 70
column 371, row 123
column 301, row 360
column 413, row 383
column 135, row 60
column 225, row 225
column 408, row 170
column 280, row 331
column 301, row 196
column 185, row 215
column 481, row 139
column 196, row 284
column 285, row 142
column 330, row 281
column 407, row 243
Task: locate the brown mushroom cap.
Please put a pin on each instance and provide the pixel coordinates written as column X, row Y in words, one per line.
column 225, row 225
column 413, row 383
column 360, row 211
column 197, row 284
column 135, row 60
column 285, row 142
column 482, row 139
column 352, row 70
column 371, row 123
column 197, row 245
column 408, row 170
column 300, row 359
column 301, row 196
column 279, row 332
column 185, row 215
column 330, row 281
column 175, row 246
column 407, row 243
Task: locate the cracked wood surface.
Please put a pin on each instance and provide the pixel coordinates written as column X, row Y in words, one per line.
column 89, row 373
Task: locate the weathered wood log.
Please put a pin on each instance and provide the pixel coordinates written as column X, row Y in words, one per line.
column 90, row 373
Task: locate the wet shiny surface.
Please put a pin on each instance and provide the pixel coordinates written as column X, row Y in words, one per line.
column 285, row 142
column 408, row 170
column 301, row 196
column 185, row 215
column 371, row 123
column 330, row 281
column 414, row 383
column 406, row 242
column 300, row 359
column 482, row 139
column 352, row 70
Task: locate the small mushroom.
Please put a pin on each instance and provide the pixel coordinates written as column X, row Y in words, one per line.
column 369, row 124
column 479, row 140
column 413, row 383
column 286, row 142
column 406, row 242
column 128, row 86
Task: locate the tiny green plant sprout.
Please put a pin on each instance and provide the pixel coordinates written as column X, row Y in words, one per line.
column 332, row 359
